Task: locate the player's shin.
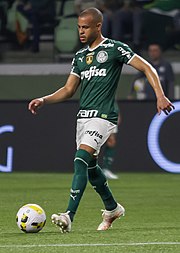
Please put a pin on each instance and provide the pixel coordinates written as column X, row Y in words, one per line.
column 81, row 161
column 99, row 183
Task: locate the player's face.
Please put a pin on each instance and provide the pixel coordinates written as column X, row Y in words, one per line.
column 88, row 29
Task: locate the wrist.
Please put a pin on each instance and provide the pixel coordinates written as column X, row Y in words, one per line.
column 42, row 100
column 160, row 96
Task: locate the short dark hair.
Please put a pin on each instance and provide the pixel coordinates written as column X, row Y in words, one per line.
column 94, row 12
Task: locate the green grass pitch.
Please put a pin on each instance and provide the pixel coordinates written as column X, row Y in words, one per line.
column 151, row 223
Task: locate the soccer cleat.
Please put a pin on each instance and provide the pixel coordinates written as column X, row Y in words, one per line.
column 110, row 216
column 109, row 174
column 62, row 221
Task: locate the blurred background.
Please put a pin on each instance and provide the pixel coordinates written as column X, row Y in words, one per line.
column 37, row 42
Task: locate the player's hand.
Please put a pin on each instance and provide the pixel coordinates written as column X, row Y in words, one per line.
column 35, row 104
column 163, row 104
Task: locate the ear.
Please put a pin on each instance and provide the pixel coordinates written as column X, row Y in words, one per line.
column 99, row 26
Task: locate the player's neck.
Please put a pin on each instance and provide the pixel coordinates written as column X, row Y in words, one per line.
column 95, row 43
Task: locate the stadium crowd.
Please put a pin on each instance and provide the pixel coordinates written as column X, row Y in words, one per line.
column 133, row 21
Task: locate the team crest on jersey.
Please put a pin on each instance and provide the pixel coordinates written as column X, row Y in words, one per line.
column 102, row 56
column 89, row 58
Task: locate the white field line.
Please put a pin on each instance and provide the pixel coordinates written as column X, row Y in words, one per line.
column 90, row 245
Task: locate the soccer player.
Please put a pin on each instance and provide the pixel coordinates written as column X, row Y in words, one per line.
column 97, row 68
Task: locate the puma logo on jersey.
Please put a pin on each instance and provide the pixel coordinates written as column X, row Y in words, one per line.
column 93, row 71
column 81, row 58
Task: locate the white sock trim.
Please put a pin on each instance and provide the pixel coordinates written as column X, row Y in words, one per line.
column 90, row 168
column 78, row 158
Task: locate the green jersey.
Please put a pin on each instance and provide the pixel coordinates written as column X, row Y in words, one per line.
column 99, row 70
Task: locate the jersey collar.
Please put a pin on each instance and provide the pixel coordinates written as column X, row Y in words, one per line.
column 92, row 49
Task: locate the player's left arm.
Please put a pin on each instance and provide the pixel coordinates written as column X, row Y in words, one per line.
column 163, row 103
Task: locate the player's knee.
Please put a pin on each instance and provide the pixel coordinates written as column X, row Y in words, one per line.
column 82, row 160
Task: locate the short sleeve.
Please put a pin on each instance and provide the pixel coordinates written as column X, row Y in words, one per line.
column 74, row 68
column 123, row 52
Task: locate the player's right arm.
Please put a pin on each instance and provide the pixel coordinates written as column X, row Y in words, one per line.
column 62, row 94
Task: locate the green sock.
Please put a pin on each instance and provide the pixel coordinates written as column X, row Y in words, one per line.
column 79, row 182
column 99, row 183
column 108, row 157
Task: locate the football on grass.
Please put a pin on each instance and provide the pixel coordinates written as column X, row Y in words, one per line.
column 31, row 218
